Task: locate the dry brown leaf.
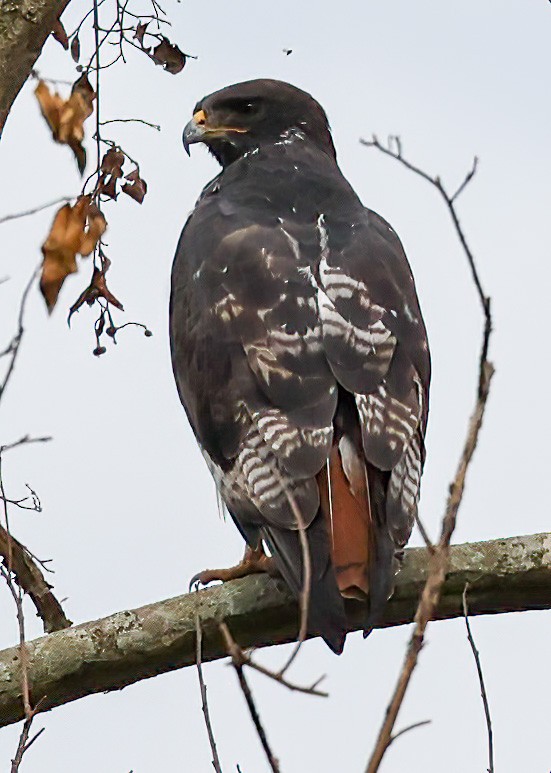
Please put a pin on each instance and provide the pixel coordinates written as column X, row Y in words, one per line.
column 169, row 56
column 75, row 230
column 59, row 34
column 138, row 187
column 141, row 29
column 112, row 162
column 111, row 168
column 75, row 48
column 96, row 289
column 96, row 226
column 50, row 105
column 66, row 117
column 165, row 53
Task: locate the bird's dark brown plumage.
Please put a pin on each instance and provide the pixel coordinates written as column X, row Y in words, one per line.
column 299, row 350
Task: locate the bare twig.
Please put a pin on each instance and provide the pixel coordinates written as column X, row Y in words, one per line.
column 96, row 54
column 450, row 204
column 204, row 704
column 25, row 440
column 24, row 743
column 407, row 729
column 16, row 341
column 483, row 692
column 424, row 533
column 23, row 503
column 430, row 596
column 34, row 210
column 304, row 599
column 131, row 120
column 277, row 676
column 439, row 558
column 234, row 651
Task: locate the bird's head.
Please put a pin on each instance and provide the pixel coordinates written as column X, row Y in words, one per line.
column 242, row 117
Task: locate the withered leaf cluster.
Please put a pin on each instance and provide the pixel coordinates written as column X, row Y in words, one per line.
column 96, row 289
column 165, row 53
column 111, row 171
column 75, row 230
column 66, row 117
column 59, row 34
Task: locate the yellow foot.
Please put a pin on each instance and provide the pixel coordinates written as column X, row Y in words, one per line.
column 253, row 562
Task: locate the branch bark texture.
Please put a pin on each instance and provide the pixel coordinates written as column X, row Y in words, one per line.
column 505, row 575
column 24, row 28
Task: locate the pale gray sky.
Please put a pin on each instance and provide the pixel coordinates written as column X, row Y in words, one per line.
column 129, row 507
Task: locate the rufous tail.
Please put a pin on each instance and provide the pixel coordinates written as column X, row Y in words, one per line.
column 344, row 497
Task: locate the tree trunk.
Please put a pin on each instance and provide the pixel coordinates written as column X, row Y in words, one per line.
column 24, row 27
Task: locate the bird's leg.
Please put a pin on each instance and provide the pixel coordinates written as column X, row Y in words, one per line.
column 254, row 561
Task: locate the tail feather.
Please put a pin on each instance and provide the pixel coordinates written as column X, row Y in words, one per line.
column 382, row 564
column 326, row 614
column 353, row 498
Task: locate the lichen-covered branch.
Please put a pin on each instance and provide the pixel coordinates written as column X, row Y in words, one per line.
column 24, row 28
column 505, row 575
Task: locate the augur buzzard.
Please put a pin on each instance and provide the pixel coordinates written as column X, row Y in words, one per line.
column 300, row 353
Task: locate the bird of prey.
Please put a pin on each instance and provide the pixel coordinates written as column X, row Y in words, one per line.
column 300, row 354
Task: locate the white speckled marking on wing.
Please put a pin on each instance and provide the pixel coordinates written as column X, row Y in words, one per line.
column 284, row 438
column 380, row 413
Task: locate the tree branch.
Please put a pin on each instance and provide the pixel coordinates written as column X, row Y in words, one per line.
column 30, row 579
column 24, row 28
column 504, row 575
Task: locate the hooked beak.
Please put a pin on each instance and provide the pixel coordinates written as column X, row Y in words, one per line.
column 197, row 130
column 194, row 131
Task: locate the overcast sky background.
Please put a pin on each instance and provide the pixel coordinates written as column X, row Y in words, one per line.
column 129, row 507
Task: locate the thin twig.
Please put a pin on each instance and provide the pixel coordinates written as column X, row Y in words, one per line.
column 483, row 692
column 424, row 533
column 30, row 712
column 25, row 440
column 204, row 704
column 22, row 503
column 408, row 728
column 450, row 204
column 234, row 651
column 245, row 658
column 131, row 120
column 277, row 676
column 304, row 599
column 439, row 559
column 96, row 54
column 34, row 210
column 16, row 341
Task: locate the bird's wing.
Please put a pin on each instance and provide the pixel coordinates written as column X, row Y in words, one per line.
column 249, row 362
column 375, row 341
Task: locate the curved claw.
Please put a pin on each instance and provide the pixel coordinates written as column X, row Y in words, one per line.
column 201, row 578
column 194, row 583
column 254, row 562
